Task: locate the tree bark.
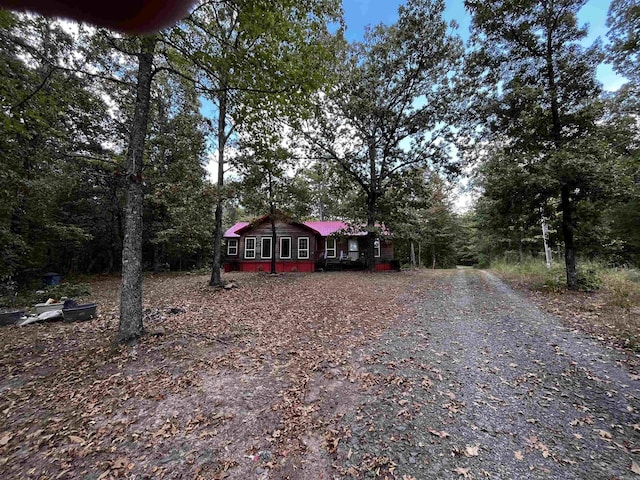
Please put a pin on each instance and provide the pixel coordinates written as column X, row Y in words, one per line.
column 273, row 241
column 131, row 326
column 433, row 256
column 565, row 195
column 216, row 278
column 371, row 234
column 272, row 212
column 413, row 256
column 567, row 234
column 545, row 241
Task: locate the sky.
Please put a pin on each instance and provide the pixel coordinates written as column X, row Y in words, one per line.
column 361, row 13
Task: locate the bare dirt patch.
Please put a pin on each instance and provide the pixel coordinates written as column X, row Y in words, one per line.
column 237, row 384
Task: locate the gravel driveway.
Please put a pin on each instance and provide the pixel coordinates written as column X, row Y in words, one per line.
column 479, row 383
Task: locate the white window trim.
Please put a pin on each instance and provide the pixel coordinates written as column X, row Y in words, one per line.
column 333, row 249
column 262, row 239
column 308, row 249
column 290, row 248
column 247, row 250
column 232, row 244
column 377, row 249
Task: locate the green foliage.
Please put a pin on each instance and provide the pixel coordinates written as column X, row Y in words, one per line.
column 589, row 278
column 591, row 275
column 417, row 209
column 555, row 154
column 623, row 21
column 391, row 110
column 27, row 297
column 178, row 197
column 623, row 286
column 49, row 118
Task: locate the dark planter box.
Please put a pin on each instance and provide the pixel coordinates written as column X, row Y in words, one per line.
column 10, row 318
column 51, row 279
column 80, row 313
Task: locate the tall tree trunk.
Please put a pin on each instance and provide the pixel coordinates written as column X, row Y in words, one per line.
column 372, row 205
column 567, row 234
column 413, row 256
column 273, row 243
column 565, row 198
column 371, row 234
column 545, row 241
column 216, row 278
column 131, row 288
column 272, row 212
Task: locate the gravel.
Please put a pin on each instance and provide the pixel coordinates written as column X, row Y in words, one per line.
column 479, row 383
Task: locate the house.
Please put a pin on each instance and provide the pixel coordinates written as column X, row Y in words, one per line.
column 301, row 247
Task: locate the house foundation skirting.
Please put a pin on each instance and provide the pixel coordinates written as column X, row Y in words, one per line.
column 292, row 266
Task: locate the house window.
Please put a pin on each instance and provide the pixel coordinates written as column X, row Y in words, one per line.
column 265, row 247
column 232, row 247
column 331, row 247
column 376, row 248
column 285, row 247
column 250, row 247
column 303, row 247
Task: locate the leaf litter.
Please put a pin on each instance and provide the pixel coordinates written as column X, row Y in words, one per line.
column 345, row 375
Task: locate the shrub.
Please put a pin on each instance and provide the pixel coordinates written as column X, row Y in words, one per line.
column 623, row 288
column 589, row 278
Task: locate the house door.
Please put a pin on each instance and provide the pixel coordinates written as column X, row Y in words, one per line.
column 353, row 249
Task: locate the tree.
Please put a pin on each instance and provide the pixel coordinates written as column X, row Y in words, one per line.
column 543, row 98
column 623, row 21
column 417, row 209
column 391, row 109
column 131, row 326
column 266, row 185
column 50, row 117
column 178, row 196
column 286, row 41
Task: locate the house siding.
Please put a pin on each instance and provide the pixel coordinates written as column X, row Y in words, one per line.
column 291, row 230
column 317, row 245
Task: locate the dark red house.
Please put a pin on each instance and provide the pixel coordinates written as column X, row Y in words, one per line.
column 301, row 247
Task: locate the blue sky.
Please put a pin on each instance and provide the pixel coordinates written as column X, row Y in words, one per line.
column 360, row 13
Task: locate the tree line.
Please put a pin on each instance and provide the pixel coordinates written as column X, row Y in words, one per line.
column 106, row 137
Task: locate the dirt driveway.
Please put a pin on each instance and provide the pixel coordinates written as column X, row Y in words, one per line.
column 417, row 375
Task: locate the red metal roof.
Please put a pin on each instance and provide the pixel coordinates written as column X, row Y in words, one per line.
column 323, row 228
column 327, row 228
column 231, row 233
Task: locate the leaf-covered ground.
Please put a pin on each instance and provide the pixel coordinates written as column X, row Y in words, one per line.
column 338, row 375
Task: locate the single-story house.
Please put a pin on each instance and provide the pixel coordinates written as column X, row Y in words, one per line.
column 302, row 247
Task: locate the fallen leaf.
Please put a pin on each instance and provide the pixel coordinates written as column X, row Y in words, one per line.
column 76, row 439
column 5, row 438
column 120, row 462
column 440, row 434
column 604, row 434
column 462, row 471
column 472, row 451
column 635, row 468
column 518, row 455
